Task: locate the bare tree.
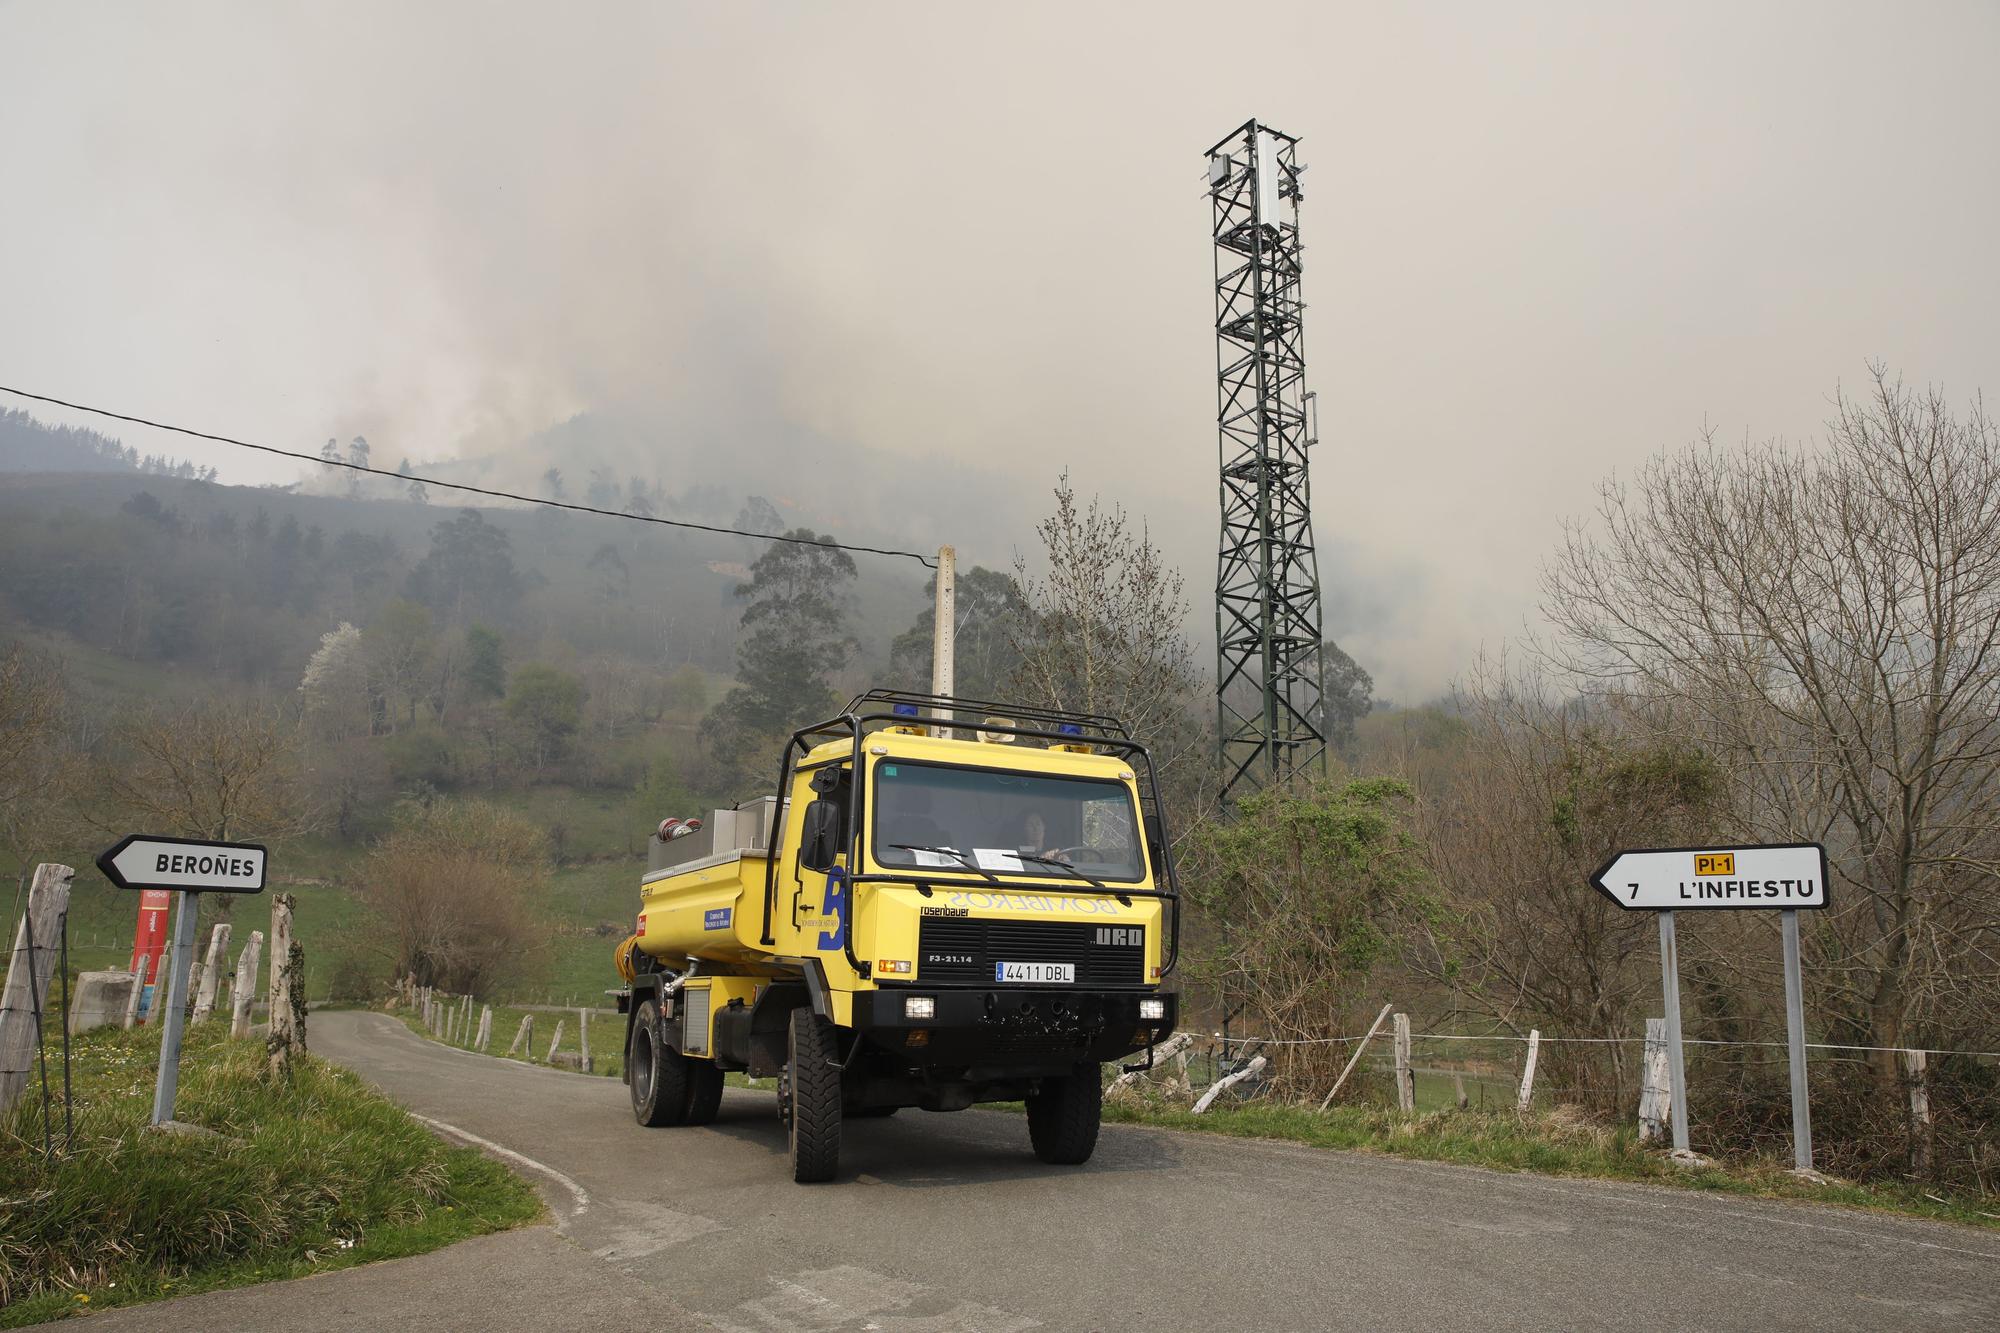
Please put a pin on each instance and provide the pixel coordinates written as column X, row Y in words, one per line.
column 34, row 767
column 1826, row 623
column 452, row 886
column 1542, row 788
column 1103, row 629
column 222, row 772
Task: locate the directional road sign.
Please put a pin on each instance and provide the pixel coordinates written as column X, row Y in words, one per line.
column 1784, row 876
column 150, row 861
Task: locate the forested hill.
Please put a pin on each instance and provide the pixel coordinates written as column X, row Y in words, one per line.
column 28, row 445
column 239, row 583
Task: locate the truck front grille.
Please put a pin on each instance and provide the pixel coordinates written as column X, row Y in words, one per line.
column 961, row 951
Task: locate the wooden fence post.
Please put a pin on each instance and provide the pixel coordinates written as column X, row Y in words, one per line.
column 1915, row 1074
column 1355, row 1059
column 583, row 1035
column 524, row 1038
column 28, row 971
column 1458, row 1089
column 485, row 1038
column 1528, row 1071
column 288, row 988
column 1406, row 1081
column 242, row 998
column 138, row 985
column 555, row 1041
column 1655, row 1094
column 216, row 959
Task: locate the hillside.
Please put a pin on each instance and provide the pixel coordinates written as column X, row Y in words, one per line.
column 144, row 591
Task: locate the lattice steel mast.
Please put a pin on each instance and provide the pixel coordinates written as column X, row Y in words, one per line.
column 1267, row 600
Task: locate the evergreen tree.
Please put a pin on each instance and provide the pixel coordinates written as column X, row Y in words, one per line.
column 485, row 663
column 469, row 570
column 988, row 603
column 794, row 641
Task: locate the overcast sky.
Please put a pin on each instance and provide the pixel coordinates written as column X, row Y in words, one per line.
column 1544, row 242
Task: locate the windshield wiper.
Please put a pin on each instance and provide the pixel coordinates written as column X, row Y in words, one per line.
column 965, row 860
column 1063, row 865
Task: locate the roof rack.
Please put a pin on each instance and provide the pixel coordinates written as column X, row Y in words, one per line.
column 945, row 709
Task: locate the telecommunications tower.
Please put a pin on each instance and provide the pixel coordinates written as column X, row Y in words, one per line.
column 1269, row 722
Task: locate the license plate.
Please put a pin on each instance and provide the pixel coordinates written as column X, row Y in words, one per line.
column 1054, row 973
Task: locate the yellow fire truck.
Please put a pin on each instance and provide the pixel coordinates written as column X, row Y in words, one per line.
column 944, row 902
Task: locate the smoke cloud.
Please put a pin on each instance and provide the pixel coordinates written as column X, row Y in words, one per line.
column 895, row 267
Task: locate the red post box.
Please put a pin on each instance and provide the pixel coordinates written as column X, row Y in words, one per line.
column 150, row 939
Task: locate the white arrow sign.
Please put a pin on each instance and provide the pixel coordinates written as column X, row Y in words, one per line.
column 1679, row 879
column 148, row 861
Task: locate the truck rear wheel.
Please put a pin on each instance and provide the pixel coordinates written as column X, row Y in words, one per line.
column 658, row 1074
column 815, row 1097
column 1063, row 1117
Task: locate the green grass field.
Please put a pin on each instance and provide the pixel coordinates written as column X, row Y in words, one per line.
column 300, row 1177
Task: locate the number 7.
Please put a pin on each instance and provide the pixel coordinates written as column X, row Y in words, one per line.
column 1635, row 893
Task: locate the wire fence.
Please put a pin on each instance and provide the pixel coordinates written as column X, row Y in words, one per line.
column 1934, row 1119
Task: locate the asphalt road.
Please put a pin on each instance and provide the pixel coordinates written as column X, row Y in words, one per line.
column 947, row 1222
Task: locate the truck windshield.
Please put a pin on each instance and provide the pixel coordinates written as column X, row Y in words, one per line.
column 936, row 817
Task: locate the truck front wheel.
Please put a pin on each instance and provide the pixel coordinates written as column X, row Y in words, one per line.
column 1063, row 1117
column 814, row 1084
column 658, row 1074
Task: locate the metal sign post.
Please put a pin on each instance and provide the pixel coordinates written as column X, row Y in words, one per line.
column 1790, row 877
column 1670, row 984
column 190, row 867
column 179, row 965
column 1795, row 1039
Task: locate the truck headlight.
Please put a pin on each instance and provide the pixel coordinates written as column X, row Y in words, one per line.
column 919, row 1006
column 1153, row 1009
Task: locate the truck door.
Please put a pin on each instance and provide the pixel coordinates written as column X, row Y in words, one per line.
column 826, row 842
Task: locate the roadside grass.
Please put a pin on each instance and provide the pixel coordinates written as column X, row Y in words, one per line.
column 316, row 1174
column 1560, row 1141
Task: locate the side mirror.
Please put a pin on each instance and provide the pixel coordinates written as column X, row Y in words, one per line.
column 1156, row 844
column 819, row 837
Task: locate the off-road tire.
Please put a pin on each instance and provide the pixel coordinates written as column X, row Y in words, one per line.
column 658, row 1074
column 704, row 1091
column 1063, row 1117
column 815, row 1100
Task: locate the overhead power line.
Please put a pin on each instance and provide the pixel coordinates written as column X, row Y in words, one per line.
column 406, row 477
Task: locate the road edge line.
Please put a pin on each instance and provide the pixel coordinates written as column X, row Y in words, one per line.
column 577, row 1191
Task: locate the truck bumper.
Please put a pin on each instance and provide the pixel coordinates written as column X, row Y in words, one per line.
column 1013, row 1027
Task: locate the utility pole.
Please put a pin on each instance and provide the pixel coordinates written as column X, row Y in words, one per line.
column 944, row 629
